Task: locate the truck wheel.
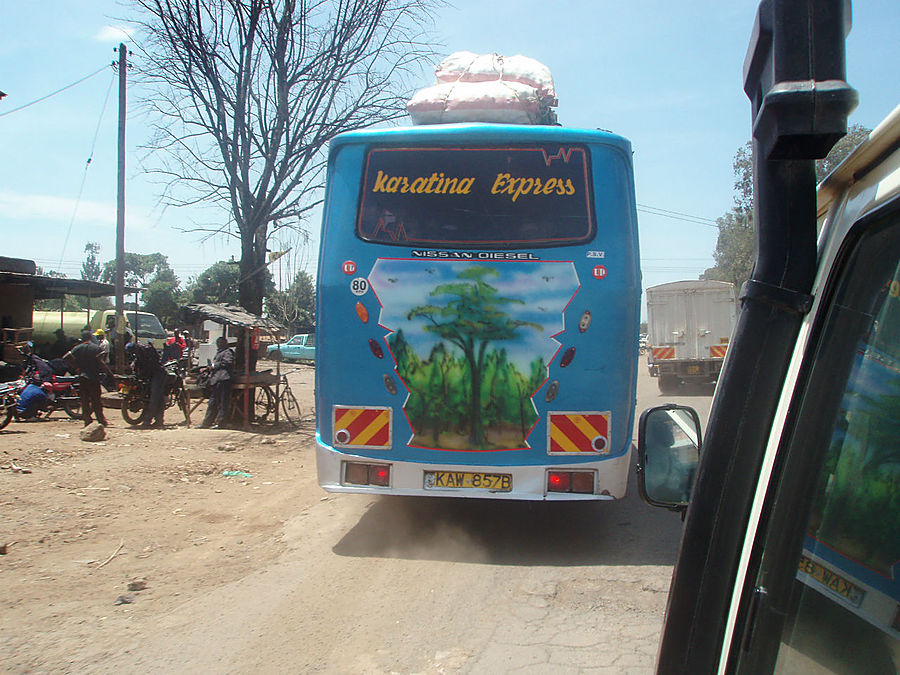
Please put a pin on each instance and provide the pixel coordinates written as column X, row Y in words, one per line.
column 669, row 384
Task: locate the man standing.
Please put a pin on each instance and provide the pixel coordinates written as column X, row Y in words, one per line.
column 60, row 347
column 220, row 381
column 85, row 357
column 148, row 366
column 103, row 343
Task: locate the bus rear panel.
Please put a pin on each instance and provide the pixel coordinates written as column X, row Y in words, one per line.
column 478, row 309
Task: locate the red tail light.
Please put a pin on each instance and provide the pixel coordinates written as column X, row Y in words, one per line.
column 379, row 474
column 559, row 481
column 580, row 482
column 357, row 473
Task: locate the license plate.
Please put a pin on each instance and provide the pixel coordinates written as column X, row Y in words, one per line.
column 495, row 482
column 693, row 370
column 832, row 581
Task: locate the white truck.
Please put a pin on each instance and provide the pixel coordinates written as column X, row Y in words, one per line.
column 690, row 325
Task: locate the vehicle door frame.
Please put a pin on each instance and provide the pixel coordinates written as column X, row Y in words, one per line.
column 773, row 525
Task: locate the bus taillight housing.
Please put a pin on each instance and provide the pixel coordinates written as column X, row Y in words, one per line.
column 579, row 482
column 359, row 473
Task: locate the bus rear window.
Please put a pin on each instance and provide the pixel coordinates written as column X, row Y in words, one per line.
column 477, row 197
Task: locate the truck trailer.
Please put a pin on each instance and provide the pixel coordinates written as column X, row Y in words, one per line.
column 689, row 324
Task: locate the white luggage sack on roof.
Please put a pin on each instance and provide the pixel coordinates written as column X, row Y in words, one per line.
column 486, row 88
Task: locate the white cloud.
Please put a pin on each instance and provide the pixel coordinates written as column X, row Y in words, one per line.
column 113, row 34
column 46, row 209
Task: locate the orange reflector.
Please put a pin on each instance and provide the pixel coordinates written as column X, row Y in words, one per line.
column 578, row 432
column 362, row 427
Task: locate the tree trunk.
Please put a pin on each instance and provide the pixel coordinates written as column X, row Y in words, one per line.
column 251, row 288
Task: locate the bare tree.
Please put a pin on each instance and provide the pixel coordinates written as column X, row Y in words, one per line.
column 247, row 93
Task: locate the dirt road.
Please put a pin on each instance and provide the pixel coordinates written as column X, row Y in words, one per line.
column 138, row 555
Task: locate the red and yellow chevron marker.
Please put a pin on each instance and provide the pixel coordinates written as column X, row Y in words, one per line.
column 362, row 427
column 574, row 432
column 718, row 351
column 660, row 353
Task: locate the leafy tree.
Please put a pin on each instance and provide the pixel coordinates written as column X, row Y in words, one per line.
column 162, row 297
column 471, row 319
column 216, row 284
column 139, row 268
column 90, row 268
column 150, row 271
column 735, row 248
column 295, row 307
column 736, row 244
column 248, row 93
column 856, row 134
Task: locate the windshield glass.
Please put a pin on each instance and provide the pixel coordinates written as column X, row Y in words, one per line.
column 146, row 325
column 477, row 197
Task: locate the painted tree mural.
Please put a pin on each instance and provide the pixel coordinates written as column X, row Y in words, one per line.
column 472, row 317
column 472, row 342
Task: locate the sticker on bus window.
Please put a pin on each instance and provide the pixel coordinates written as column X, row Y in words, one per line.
column 578, row 432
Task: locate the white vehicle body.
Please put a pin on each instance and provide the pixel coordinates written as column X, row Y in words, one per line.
column 690, row 325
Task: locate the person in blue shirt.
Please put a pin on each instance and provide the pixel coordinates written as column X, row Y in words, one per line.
column 30, row 402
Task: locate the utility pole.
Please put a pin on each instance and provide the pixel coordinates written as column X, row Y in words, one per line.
column 120, row 219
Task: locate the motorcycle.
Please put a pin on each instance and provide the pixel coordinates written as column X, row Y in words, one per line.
column 135, row 392
column 9, row 397
column 60, row 391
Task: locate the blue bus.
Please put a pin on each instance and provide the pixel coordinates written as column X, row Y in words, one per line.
column 478, row 313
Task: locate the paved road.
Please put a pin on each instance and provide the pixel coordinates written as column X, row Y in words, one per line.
column 397, row 585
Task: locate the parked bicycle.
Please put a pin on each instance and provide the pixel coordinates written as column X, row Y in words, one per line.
column 265, row 402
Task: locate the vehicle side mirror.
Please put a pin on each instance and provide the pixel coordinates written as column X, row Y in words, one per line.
column 668, row 455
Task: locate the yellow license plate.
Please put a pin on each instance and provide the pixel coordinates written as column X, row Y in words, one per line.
column 693, row 370
column 495, row 482
column 832, row 581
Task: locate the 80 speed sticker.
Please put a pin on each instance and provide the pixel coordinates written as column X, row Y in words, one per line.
column 359, row 286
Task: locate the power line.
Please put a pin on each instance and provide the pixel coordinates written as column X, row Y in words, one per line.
column 54, row 93
column 677, row 215
column 87, row 164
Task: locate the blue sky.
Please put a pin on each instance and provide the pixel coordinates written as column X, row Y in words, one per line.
column 665, row 75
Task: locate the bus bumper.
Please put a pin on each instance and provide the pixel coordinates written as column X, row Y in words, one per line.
column 527, row 482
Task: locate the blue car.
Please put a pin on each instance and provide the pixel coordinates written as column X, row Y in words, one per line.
column 298, row 348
